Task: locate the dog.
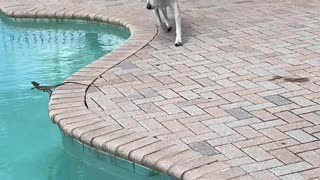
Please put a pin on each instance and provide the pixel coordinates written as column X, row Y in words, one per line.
column 161, row 6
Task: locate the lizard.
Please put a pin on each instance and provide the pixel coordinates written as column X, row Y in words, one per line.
column 48, row 89
column 290, row 79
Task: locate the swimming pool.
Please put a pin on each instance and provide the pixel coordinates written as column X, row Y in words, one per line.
column 46, row 51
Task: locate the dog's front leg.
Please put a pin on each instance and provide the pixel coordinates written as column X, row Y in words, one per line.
column 156, row 12
column 177, row 17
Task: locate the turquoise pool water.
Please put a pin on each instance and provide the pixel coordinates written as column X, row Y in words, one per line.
column 46, row 51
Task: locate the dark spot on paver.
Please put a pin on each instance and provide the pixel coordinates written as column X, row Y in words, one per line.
column 157, row 64
column 278, row 100
column 204, row 148
column 155, row 137
column 243, row 2
column 283, row 143
column 209, row 98
column 290, row 79
column 239, row 113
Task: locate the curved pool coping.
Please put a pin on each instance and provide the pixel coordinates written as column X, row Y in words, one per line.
column 68, row 109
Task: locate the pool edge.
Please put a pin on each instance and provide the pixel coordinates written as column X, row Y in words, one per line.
column 141, row 34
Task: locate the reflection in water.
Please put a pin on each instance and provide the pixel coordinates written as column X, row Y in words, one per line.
column 47, row 52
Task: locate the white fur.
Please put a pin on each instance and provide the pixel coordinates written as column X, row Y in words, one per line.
column 160, row 6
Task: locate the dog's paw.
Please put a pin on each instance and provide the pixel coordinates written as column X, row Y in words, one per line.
column 178, row 44
column 169, row 29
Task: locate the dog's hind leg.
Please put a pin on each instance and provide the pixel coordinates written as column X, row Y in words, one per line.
column 177, row 16
column 165, row 18
column 156, row 12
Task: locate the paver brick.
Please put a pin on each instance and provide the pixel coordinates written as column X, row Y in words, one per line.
column 240, row 161
column 138, row 155
column 311, row 157
column 224, row 173
column 264, row 175
column 232, row 97
column 149, row 108
column 177, row 135
column 245, row 104
column 200, row 137
column 205, row 170
column 256, row 99
column 124, row 145
column 184, row 156
column 199, row 118
column 248, row 132
column 153, row 157
column 317, row 135
column 151, row 124
column 230, row 151
column 179, row 169
column 171, row 109
column 285, row 156
column 239, row 113
column 174, row 126
column 281, row 108
column 189, row 95
column 225, row 140
column 204, row 148
column 220, row 120
column 293, row 126
column 301, row 136
column 216, row 112
column 312, row 117
column 263, row 115
column 291, row 168
column 289, row 117
column 166, row 117
column 295, row 176
column 197, row 127
column 274, row 134
column 222, row 129
column 306, row 109
column 252, row 142
column 301, row 101
column 258, row 166
column 279, row 144
column 278, row 100
column 257, row 107
column 313, row 173
column 193, row 110
column 257, row 153
column 243, row 122
column 168, row 94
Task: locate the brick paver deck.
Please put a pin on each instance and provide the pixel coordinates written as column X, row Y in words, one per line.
column 211, row 109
